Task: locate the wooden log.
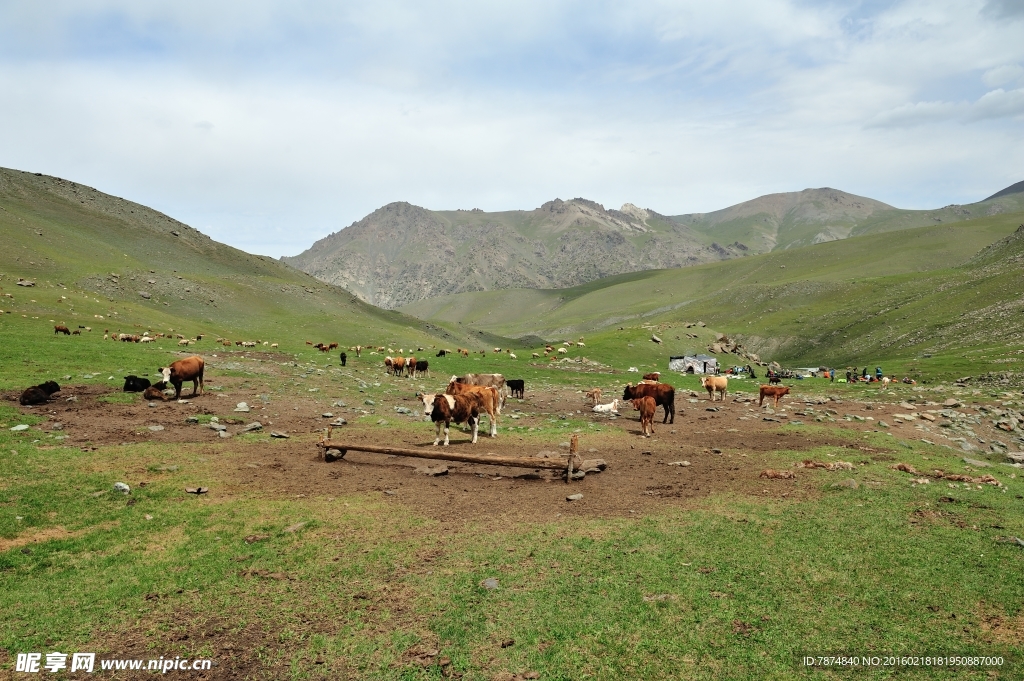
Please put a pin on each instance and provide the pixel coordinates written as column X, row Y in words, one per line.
column 446, row 454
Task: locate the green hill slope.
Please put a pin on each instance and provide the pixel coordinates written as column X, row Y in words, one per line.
column 92, row 255
column 795, row 219
column 888, row 293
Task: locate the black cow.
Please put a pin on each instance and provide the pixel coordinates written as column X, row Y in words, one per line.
column 135, row 384
column 39, row 394
column 441, row 353
column 344, row 358
column 422, row 368
column 516, row 386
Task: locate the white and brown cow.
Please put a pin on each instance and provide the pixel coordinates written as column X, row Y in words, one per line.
column 447, row 408
column 188, row 369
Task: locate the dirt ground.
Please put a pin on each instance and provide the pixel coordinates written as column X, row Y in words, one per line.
column 727, row 445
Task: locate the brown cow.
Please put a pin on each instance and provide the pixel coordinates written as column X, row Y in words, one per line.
column 410, row 367
column 398, row 365
column 664, row 395
column 448, row 408
column 715, row 384
column 646, row 407
column 188, row 369
column 155, row 392
column 491, row 380
column 776, row 391
column 653, row 376
column 594, row 395
column 490, row 400
column 60, row 328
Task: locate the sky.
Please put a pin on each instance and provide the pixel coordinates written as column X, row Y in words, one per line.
column 268, row 125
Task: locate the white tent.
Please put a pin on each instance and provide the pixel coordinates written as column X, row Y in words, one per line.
column 694, row 364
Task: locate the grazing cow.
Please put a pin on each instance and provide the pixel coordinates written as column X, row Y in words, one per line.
column 465, row 353
column 422, row 368
column 536, row 355
column 184, row 341
column 332, row 346
column 664, row 396
column 39, row 394
column 715, row 384
column 76, row 332
column 410, row 367
column 447, row 408
column 273, row 345
column 488, row 400
column 610, row 408
column 60, row 328
column 441, row 353
column 490, row 380
column 155, row 392
column 387, row 364
column 359, row 350
column 188, row 369
column 594, row 395
column 134, row 384
column 646, row 407
column 653, row 376
column 512, row 355
column 562, row 351
column 398, row 366
column 774, row 379
column 227, row 344
column 885, row 383
column 517, row 387
column 775, row 391
column 343, row 357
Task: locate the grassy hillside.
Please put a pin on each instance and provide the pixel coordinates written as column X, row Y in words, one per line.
column 795, row 219
column 888, row 295
column 108, row 263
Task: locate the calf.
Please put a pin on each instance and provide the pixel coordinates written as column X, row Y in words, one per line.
column 653, row 376
column 775, row 391
column 774, row 379
column 664, row 396
column 594, row 395
column 61, row 329
column 344, row 358
column 488, row 400
column 646, row 407
column 610, row 408
column 155, row 392
column 715, row 384
column 517, row 387
column 39, row 394
column 188, row 369
column 447, row 408
column 134, row 384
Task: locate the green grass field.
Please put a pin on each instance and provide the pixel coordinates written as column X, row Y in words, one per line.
column 729, row 585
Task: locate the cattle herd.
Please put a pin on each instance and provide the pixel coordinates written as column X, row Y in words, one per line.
column 465, row 399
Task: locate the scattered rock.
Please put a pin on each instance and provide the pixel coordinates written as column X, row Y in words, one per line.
column 405, row 410
column 592, row 466
column 369, row 402
column 242, row 406
column 145, row 295
column 294, row 528
column 772, row 474
column 338, row 422
column 217, row 426
column 680, row 463
column 339, row 403
column 849, row 483
column 327, row 415
column 574, row 497
column 20, row 427
column 952, row 403
column 433, row 471
column 976, row 463
column 156, row 429
column 122, row 488
column 255, row 425
column 927, row 417
column 223, row 433
column 275, row 433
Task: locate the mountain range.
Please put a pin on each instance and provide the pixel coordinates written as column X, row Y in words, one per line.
column 401, row 253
